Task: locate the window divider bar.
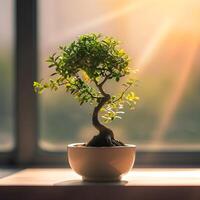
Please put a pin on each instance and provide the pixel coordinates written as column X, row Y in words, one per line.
column 26, row 73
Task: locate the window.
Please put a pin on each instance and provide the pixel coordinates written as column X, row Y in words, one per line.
column 162, row 37
column 6, row 76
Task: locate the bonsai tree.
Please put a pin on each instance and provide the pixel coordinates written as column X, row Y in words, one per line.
column 82, row 68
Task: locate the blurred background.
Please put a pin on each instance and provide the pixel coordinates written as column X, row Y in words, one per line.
column 163, row 40
column 6, row 75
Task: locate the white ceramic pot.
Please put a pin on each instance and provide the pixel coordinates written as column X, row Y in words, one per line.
column 101, row 164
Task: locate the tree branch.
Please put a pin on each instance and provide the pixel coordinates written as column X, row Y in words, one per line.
column 105, row 79
column 95, row 97
column 100, row 85
column 122, row 94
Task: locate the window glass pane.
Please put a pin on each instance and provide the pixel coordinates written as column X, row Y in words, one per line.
column 162, row 37
column 6, row 75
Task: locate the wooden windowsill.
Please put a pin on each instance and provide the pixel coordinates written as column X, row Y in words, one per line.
column 138, row 184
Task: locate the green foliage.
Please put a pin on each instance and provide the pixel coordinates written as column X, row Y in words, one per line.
column 84, row 66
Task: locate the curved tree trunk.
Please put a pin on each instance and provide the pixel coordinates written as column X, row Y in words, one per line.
column 105, row 136
column 95, row 121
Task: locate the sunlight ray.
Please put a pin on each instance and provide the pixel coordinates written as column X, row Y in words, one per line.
column 152, row 47
column 176, row 94
column 105, row 18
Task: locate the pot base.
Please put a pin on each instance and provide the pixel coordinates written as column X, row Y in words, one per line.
column 101, row 179
column 101, row 164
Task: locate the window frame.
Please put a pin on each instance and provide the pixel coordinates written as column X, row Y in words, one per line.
column 27, row 151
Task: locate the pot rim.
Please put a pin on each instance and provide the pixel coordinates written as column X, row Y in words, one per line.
column 78, row 145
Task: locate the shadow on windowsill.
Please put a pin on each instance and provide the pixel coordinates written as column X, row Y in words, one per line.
column 83, row 183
